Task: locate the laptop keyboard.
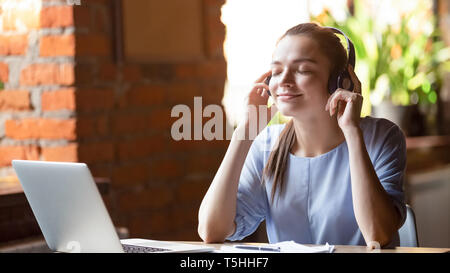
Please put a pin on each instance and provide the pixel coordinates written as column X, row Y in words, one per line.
column 142, row 249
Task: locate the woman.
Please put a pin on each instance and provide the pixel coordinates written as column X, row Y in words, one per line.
column 328, row 175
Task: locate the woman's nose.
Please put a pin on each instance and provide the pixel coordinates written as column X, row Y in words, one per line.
column 286, row 79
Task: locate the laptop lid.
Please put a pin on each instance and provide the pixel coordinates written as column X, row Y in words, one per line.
column 67, row 205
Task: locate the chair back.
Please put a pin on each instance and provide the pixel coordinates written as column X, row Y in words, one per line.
column 408, row 232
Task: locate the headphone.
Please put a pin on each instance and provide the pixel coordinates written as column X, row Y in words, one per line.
column 343, row 79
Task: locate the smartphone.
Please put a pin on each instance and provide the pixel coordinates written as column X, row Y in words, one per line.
column 266, row 81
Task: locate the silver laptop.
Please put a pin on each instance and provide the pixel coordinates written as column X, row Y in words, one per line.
column 71, row 213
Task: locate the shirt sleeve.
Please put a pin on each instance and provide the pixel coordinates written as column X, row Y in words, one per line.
column 251, row 206
column 390, row 167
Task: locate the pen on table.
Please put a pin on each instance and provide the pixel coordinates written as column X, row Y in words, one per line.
column 261, row 248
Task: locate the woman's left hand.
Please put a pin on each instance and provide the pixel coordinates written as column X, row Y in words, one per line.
column 347, row 104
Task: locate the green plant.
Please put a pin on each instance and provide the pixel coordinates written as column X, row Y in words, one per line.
column 395, row 63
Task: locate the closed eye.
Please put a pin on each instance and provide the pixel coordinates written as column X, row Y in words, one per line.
column 304, row 72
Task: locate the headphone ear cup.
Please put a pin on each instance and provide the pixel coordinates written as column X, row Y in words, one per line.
column 344, row 81
column 332, row 84
column 267, row 81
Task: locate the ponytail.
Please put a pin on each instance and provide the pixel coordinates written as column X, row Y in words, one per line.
column 277, row 163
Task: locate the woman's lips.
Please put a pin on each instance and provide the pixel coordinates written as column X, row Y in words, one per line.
column 287, row 97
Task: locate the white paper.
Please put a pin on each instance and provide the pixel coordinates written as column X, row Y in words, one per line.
column 285, row 247
column 293, row 247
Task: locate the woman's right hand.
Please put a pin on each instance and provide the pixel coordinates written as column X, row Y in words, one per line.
column 256, row 106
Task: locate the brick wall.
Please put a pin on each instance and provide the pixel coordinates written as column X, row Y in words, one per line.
column 66, row 99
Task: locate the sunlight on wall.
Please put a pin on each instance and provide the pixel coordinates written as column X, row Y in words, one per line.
column 19, row 15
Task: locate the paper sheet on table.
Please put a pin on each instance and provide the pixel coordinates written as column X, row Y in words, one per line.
column 285, row 247
column 293, row 247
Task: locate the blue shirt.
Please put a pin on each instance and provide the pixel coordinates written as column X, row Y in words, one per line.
column 316, row 204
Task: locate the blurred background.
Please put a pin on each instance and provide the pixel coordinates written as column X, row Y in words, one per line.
column 95, row 81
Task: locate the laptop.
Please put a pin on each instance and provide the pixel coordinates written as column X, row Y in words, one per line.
column 71, row 214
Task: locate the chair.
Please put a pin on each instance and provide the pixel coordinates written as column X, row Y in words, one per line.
column 408, row 232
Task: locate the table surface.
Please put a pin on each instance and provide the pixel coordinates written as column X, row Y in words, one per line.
column 38, row 244
column 348, row 248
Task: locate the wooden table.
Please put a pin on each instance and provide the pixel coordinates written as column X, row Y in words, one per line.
column 38, row 245
column 348, row 248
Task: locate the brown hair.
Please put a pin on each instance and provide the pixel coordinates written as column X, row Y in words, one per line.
column 332, row 48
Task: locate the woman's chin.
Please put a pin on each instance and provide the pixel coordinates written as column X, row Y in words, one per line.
column 288, row 111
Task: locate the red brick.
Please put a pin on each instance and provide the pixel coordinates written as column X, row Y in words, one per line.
column 92, row 126
column 152, row 224
column 37, row 74
column 4, row 72
column 186, row 71
column 108, row 72
column 140, row 147
column 216, row 69
column 197, row 145
column 63, row 99
column 13, row 44
column 14, row 100
column 160, row 119
column 166, row 168
column 191, row 191
column 155, row 197
column 204, row 163
column 84, row 73
column 56, row 16
column 129, row 123
column 8, row 153
column 94, row 99
column 213, row 94
column 185, row 234
column 96, row 152
column 131, row 174
column 146, row 95
column 100, row 20
column 57, row 45
column 82, row 16
column 102, row 170
column 66, row 153
column 33, row 128
column 182, row 93
column 184, row 216
column 131, row 73
column 92, row 45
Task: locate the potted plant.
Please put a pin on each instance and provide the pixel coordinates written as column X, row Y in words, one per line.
column 400, row 66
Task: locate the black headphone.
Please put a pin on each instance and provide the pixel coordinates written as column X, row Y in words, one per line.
column 343, row 79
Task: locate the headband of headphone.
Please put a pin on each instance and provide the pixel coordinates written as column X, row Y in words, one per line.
column 343, row 79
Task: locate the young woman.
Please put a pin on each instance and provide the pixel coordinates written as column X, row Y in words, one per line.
column 325, row 176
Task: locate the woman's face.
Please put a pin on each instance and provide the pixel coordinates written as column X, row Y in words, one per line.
column 300, row 74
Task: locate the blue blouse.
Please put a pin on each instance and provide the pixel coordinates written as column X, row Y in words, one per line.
column 316, row 204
